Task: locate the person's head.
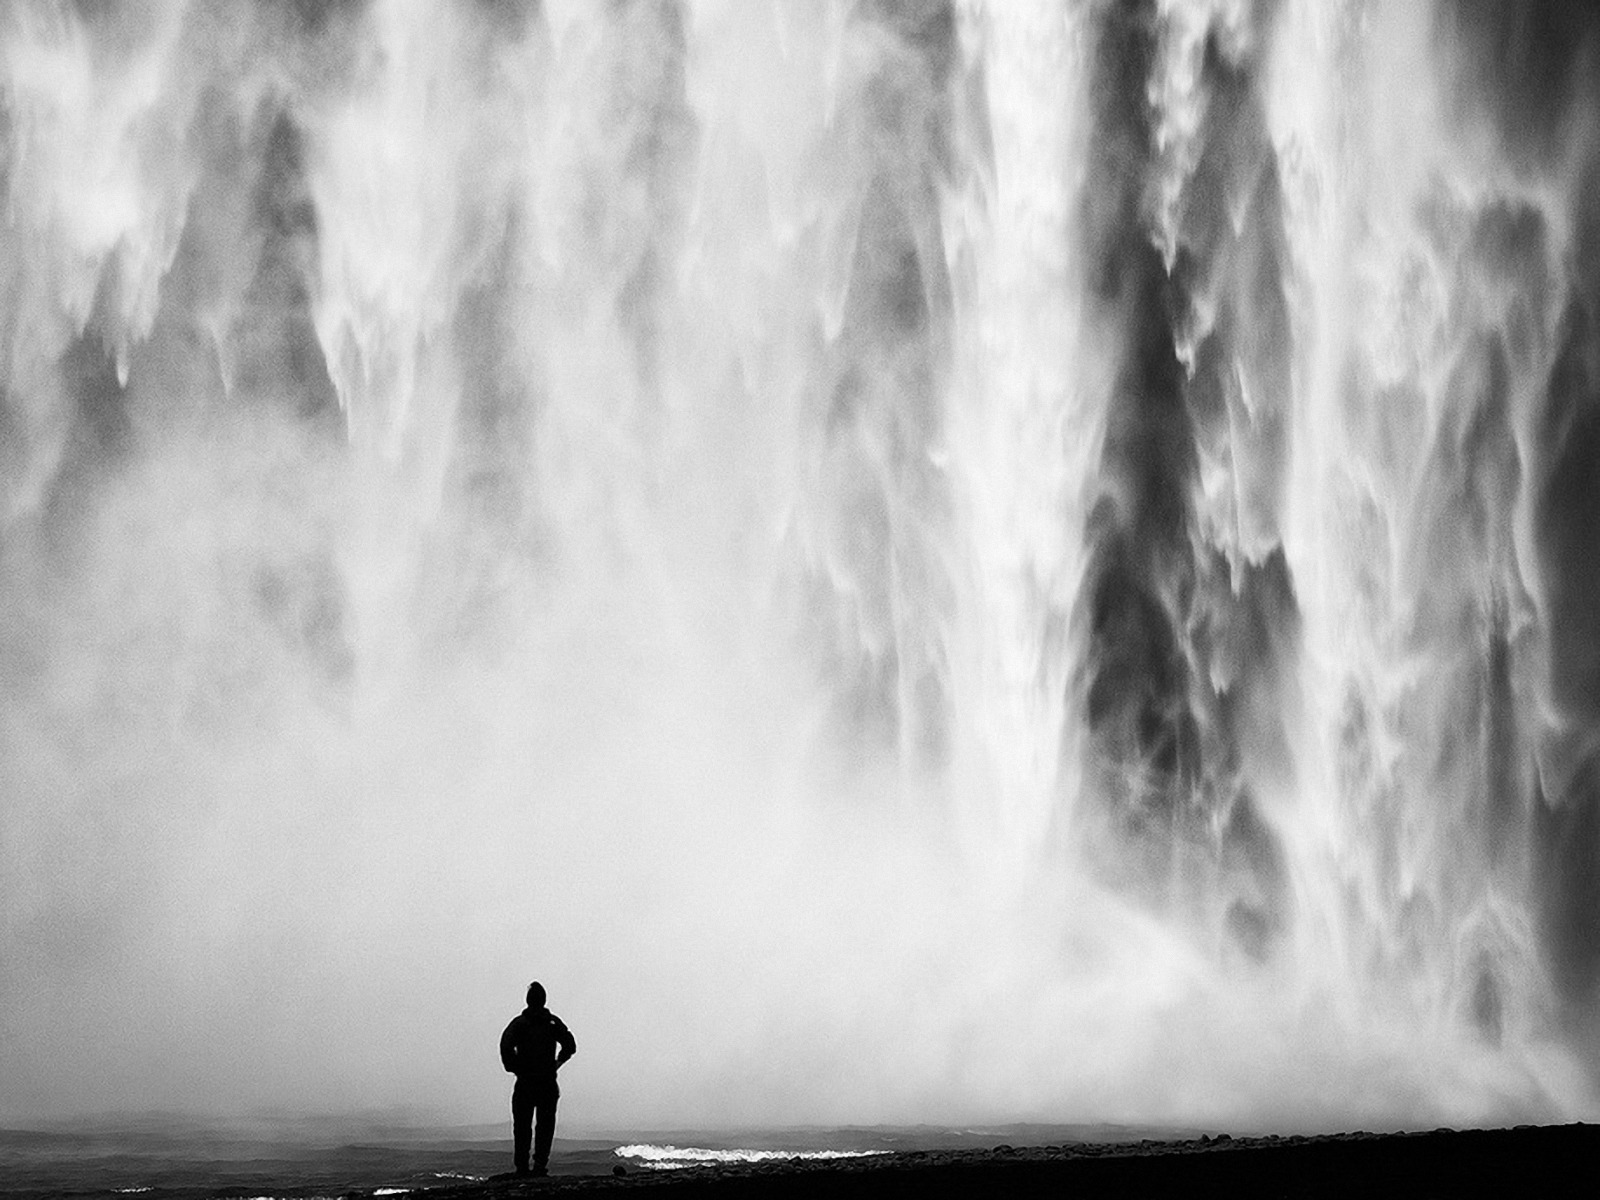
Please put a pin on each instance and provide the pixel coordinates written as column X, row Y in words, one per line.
column 536, row 995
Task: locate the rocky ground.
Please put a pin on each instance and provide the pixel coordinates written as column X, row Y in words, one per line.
column 1528, row 1160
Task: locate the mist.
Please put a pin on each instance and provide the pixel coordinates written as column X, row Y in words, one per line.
column 911, row 560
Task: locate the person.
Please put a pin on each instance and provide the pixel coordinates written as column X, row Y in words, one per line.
column 533, row 1048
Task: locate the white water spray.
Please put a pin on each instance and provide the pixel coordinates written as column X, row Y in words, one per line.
column 912, row 560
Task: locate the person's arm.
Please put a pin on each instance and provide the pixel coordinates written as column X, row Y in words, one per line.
column 508, row 1048
column 569, row 1044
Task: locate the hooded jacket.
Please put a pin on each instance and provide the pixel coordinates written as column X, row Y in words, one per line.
column 529, row 1044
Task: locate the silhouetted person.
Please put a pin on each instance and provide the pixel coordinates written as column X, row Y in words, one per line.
column 533, row 1047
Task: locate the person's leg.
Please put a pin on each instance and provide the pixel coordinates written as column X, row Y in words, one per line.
column 522, row 1104
column 545, row 1128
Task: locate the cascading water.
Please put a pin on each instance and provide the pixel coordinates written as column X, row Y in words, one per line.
column 914, row 559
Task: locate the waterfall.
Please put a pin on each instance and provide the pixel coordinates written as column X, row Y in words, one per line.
column 914, row 559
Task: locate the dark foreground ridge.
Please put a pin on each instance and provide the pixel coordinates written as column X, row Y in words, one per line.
column 1528, row 1160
